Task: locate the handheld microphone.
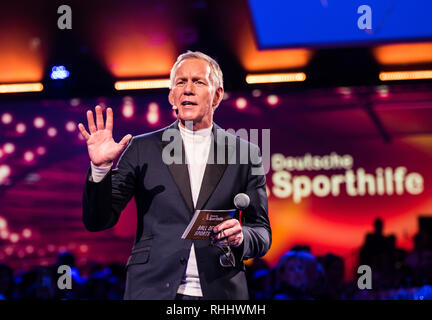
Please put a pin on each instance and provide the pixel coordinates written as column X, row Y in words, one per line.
column 241, row 202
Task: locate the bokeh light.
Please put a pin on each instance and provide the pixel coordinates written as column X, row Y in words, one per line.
column 70, row 126
column 6, row 118
column 29, row 156
column 8, row 147
column 20, row 128
column 14, row 237
column 153, row 113
column 241, row 103
column 39, row 122
column 272, row 100
column 52, row 132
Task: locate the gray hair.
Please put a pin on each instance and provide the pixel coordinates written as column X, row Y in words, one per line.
column 216, row 76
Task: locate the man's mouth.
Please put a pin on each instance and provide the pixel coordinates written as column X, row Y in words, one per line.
column 188, row 103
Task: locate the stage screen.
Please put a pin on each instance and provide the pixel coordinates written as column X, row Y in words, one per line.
column 280, row 24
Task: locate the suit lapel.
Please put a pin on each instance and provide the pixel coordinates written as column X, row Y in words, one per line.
column 178, row 169
column 214, row 170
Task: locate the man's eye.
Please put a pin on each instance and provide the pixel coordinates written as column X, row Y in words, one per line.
column 200, row 82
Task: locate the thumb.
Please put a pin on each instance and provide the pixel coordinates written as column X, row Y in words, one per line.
column 124, row 142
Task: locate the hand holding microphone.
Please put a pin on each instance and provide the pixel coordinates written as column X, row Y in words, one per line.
column 230, row 231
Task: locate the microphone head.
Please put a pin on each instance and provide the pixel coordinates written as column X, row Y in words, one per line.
column 241, row 201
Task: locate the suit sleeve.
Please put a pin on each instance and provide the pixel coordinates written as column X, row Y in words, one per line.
column 256, row 225
column 104, row 201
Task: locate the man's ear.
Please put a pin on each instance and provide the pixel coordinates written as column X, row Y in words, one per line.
column 171, row 97
column 217, row 97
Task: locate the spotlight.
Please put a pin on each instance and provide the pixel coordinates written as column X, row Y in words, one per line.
column 256, row 93
column 26, row 233
column 383, row 91
column 142, row 84
column 39, row 122
column 70, row 126
column 6, row 118
column 346, row 92
column 41, row 151
column 21, row 87
column 29, row 156
column 8, row 147
column 4, row 172
column 3, row 223
column 14, row 237
column 52, row 132
column 20, row 128
column 405, row 75
column 4, row 234
column 275, row 77
column 272, row 100
column 153, row 113
column 241, row 103
column 59, row 72
column 9, row 250
column 128, row 108
column 29, row 249
column 75, row 102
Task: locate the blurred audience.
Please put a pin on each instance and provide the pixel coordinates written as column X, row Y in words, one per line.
column 298, row 275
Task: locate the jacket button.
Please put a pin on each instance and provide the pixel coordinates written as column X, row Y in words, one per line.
column 183, row 261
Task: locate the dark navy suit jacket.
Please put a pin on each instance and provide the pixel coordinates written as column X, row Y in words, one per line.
column 164, row 209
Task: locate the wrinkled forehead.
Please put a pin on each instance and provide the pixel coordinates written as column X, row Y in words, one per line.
column 193, row 67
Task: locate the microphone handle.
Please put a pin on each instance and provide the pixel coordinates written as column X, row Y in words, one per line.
column 239, row 216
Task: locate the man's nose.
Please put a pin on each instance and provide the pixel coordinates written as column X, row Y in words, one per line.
column 189, row 88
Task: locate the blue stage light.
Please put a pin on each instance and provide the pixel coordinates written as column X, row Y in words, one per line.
column 59, row 72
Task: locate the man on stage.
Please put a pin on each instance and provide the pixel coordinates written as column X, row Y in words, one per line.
column 162, row 265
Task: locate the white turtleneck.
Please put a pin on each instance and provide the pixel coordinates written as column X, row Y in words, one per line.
column 197, row 147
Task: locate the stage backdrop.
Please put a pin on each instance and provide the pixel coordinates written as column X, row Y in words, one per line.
column 338, row 158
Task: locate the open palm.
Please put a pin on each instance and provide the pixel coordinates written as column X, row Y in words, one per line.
column 101, row 146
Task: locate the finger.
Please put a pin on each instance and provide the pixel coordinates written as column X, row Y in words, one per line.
column 83, row 131
column 236, row 241
column 225, row 225
column 90, row 121
column 124, row 142
column 232, row 240
column 109, row 119
column 99, row 118
column 228, row 232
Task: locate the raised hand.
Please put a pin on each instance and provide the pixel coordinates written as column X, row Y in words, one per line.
column 101, row 146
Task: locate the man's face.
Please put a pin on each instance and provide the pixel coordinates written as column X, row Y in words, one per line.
column 194, row 94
